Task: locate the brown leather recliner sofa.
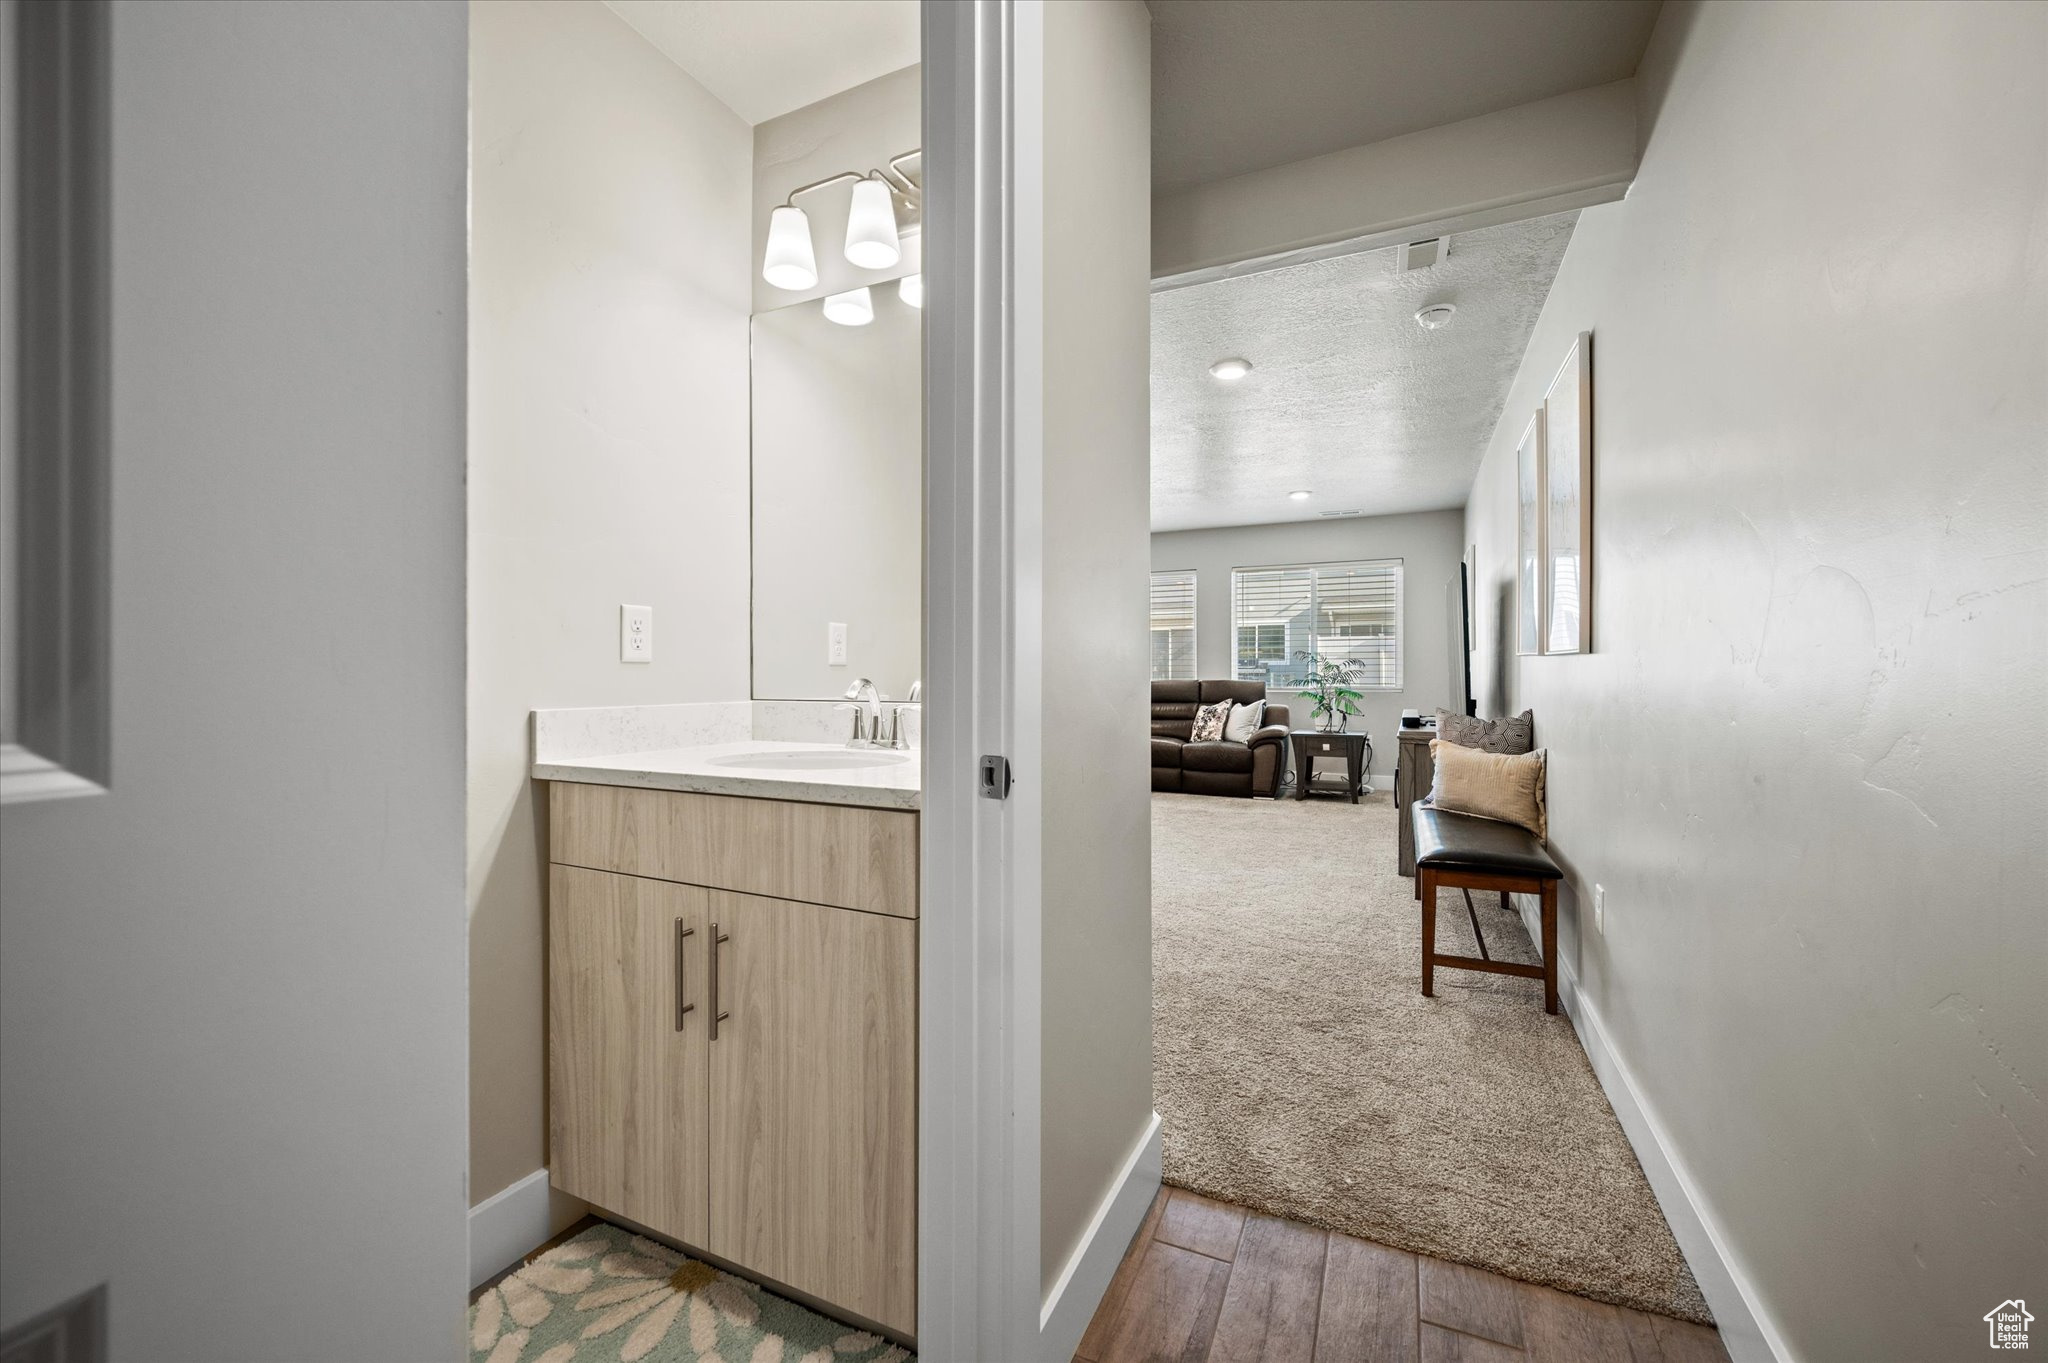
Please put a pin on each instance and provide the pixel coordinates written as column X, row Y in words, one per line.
column 1241, row 769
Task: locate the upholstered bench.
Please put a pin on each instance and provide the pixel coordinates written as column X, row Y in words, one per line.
column 1464, row 852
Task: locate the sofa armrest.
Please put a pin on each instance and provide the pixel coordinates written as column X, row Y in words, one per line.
column 1272, row 733
column 1269, row 759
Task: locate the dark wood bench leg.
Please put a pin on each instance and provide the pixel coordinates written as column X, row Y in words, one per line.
column 1425, row 890
column 1549, row 947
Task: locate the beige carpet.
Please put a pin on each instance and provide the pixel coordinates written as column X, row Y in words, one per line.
column 1302, row 1073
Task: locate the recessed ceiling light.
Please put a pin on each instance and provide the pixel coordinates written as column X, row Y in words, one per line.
column 1231, row 370
column 1435, row 315
column 1299, row 496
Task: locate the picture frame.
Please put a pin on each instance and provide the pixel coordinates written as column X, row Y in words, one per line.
column 1566, row 522
column 1529, row 549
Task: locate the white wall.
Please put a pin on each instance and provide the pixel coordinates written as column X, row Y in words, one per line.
column 1427, row 543
column 1096, row 1057
column 608, row 457
column 1807, row 759
column 231, row 1017
column 857, row 130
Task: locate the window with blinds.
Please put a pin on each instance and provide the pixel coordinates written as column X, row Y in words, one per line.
column 1173, row 626
column 1340, row 610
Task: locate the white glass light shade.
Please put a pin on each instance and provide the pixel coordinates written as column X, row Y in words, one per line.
column 871, row 226
column 854, row 308
column 789, row 262
column 911, row 289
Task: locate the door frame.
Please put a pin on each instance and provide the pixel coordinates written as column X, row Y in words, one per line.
column 979, row 994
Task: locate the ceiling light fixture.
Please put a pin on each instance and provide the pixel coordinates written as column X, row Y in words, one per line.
column 1231, row 370
column 854, row 308
column 789, row 262
column 1435, row 315
column 910, row 289
column 1299, row 496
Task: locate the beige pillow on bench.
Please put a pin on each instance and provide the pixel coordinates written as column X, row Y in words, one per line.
column 1503, row 786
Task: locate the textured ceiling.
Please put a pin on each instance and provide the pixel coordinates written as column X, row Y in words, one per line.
column 1240, row 85
column 1348, row 398
column 764, row 59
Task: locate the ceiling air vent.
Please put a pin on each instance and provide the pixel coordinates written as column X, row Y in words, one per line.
column 1420, row 255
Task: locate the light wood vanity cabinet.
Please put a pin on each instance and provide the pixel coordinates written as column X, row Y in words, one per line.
column 761, row 1106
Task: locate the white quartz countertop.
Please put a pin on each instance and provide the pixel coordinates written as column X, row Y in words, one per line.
column 894, row 782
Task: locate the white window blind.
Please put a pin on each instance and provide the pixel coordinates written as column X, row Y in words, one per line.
column 1340, row 610
column 1173, row 626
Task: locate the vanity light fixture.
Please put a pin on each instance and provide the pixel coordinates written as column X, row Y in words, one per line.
column 789, row 262
column 874, row 224
column 1231, row 370
column 1435, row 315
column 854, row 308
column 871, row 240
column 1300, row 496
column 910, row 289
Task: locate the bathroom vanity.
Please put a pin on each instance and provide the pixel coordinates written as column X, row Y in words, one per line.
column 732, row 1009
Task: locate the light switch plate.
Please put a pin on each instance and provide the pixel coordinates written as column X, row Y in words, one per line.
column 835, row 645
column 636, row 634
column 1600, row 909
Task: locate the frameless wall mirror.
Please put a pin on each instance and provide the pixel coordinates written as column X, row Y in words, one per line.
column 838, row 496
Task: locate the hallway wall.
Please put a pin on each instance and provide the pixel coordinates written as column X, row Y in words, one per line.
column 1096, row 831
column 1807, row 757
column 609, row 295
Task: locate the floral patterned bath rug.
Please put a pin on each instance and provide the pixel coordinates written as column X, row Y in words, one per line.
column 609, row 1296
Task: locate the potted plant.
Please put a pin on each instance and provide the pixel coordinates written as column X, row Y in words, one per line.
column 1330, row 686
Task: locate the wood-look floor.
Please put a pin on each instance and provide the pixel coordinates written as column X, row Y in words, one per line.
column 1204, row 1281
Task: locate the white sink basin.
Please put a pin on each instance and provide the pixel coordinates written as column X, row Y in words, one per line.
column 812, row 759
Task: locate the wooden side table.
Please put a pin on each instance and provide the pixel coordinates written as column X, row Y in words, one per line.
column 1414, row 775
column 1310, row 744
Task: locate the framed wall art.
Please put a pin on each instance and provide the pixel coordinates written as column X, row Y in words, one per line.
column 1566, row 463
column 1529, row 557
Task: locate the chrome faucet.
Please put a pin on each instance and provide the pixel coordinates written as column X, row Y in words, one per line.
column 867, row 723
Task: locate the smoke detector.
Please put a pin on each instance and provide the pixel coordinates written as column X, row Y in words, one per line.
column 1435, row 315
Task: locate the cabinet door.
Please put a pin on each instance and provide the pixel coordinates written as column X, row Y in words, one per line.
column 627, row 1069
column 814, row 1102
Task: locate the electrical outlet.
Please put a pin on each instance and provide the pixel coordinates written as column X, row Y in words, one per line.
column 835, row 645
column 1600, row 909
column 636, row 634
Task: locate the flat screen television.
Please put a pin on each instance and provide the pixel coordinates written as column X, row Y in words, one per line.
column 1458, row 597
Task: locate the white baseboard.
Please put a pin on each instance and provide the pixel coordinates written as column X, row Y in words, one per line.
column 1071, row 1303
column 1747, row 1331
column 507, row 1226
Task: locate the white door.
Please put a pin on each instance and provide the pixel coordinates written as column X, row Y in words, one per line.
column 232, row 978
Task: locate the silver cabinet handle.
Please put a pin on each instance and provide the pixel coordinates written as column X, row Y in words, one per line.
column 718, row 1014
column 682, row 934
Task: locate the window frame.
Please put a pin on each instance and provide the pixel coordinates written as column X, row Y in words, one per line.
column 1398, row 568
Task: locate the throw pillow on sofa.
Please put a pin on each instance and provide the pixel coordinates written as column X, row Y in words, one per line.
column 1209, row 722
column 1244, row 721
column 1503, row 786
